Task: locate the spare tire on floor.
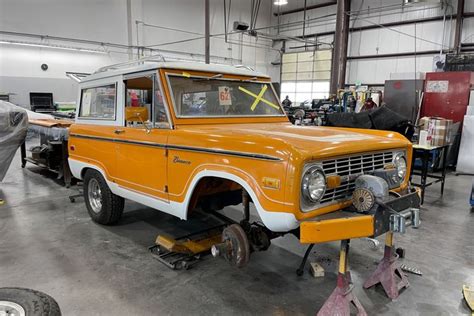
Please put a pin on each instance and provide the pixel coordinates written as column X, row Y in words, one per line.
column 27, row 302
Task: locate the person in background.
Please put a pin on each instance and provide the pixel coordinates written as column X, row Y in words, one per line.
column 351, row 103
column 286, row 103
column 134, row 99
column 368, row 105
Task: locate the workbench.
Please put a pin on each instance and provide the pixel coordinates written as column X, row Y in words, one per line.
column 424, row 153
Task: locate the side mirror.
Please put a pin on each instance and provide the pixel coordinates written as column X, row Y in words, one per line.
column 137, row 114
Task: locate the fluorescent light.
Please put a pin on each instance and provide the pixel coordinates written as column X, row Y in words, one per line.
column 280, row 2
column 85, row 50
column 421, row 2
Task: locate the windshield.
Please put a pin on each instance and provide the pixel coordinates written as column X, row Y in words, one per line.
column 210, row 97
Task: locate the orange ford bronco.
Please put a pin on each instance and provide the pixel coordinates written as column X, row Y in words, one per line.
column 181, row 136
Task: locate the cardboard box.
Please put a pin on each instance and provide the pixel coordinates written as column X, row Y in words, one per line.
column 439, row 130
column 423, row 122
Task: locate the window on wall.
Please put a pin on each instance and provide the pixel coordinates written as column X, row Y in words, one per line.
column 305, row 75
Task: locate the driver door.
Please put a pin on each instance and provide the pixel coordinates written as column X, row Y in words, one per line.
column 141, row 149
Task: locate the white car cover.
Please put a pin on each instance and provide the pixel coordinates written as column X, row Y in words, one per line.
column 13, row 129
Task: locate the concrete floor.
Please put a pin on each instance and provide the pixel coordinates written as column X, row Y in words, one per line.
column 49, row 244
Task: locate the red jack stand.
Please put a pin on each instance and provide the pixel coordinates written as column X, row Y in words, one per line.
column 339, row 302
column 388, row 272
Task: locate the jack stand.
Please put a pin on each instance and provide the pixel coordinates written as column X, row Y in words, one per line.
column 388, row 272
column 339, row 302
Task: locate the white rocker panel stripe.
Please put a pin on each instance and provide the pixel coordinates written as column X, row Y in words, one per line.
column 275, row 221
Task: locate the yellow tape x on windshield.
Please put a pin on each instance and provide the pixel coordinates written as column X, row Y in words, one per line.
column 259, row 98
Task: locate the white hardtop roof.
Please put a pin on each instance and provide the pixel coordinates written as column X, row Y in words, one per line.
column 196, row 66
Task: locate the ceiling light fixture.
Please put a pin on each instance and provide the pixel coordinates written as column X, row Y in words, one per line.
column 85, row 50
column 421, row 2
column 280, row 2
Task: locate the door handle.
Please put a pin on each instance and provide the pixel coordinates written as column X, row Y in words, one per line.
column 119, row 131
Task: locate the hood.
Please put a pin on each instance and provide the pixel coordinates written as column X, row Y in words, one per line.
column 284, row 139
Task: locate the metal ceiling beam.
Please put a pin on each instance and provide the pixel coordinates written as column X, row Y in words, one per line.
column 207, row 33
column 339, row 60
column 458, row 27
column 394, row 55
column 129, row 29
column 311, row 7
column 390, row 24
column 466, row 47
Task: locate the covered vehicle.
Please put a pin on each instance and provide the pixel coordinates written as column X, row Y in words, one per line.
column 13, row 129
column 381, row 118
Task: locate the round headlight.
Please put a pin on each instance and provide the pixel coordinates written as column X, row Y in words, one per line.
column 313, row 184
column 401, row 165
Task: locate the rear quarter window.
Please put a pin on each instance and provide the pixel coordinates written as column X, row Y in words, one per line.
column 99, row 102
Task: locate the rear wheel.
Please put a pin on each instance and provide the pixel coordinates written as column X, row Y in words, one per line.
column 103, row 206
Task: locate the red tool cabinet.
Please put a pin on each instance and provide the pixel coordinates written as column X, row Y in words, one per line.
column 446, row 94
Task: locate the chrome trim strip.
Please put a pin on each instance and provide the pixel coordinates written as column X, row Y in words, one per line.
column 184, row 148
column 225, row 152
column 115, row 140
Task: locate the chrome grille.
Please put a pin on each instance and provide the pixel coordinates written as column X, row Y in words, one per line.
column 348, row 168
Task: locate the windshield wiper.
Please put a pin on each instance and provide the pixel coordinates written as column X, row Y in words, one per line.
column 216, row 76
column 249, row 79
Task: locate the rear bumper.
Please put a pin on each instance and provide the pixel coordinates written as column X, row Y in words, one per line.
column 394, row 215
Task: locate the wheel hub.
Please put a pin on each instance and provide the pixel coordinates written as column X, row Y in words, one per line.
column 235, row 247
column 8, row 308
column 95, row 195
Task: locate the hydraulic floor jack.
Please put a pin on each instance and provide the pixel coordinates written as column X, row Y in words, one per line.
column 185, row 251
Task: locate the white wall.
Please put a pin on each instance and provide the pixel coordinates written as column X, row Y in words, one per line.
column 381, row 40
column 189, row 16
column 106, row 21
column 20, row 66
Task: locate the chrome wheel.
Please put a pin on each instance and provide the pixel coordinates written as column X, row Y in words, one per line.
column 8, row 308
column 95, row 195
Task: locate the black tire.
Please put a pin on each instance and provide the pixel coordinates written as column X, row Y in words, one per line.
column 112, row 205
column 33, row 302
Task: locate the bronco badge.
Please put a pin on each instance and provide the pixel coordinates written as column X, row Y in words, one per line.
column 176, row 159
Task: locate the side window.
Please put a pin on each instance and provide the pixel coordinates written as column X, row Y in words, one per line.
column 160, row 116
column 138, row 101
column 98, row 102
column 144, row 103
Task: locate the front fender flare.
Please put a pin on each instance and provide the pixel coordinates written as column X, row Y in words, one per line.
column 275, row 221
